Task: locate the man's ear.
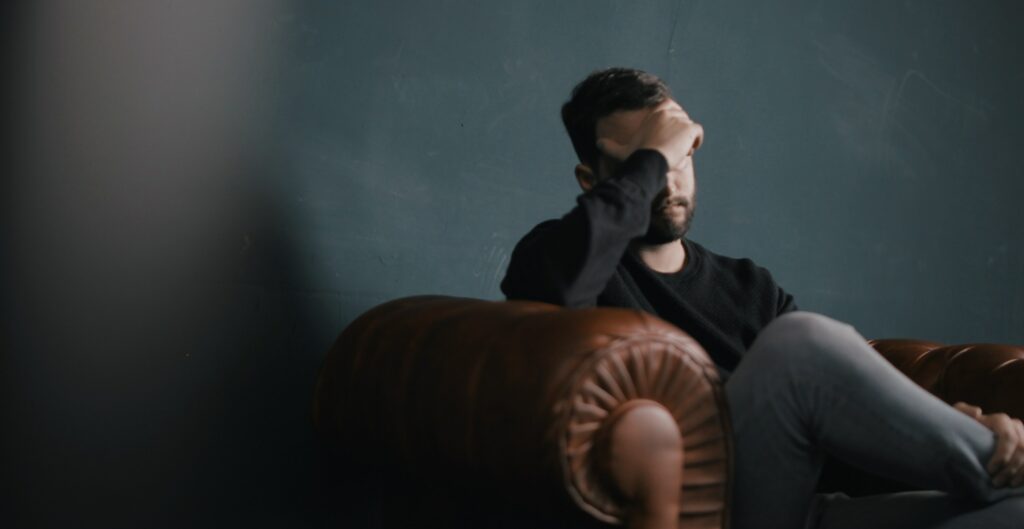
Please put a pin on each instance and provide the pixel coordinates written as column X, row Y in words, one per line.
column 585, row 176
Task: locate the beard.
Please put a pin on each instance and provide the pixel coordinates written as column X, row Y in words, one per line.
column 664, row 227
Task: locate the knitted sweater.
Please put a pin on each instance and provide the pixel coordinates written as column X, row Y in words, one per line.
column 584, row 259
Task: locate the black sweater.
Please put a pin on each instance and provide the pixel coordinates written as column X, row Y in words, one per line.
column 583, row 259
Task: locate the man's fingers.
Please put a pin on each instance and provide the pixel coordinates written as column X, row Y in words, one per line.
column 1015, row 470
column 1007, row 463
column 670, row 104
column 1001, row 457
column 1018, row 478
column 1008, row 440
column 667, row 129
column 1016, row 465
column 1012, row 474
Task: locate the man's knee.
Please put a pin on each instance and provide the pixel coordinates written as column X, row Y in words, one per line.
column 802, row 334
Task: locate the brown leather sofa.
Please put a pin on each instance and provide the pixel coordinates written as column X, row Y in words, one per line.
column 556, row 417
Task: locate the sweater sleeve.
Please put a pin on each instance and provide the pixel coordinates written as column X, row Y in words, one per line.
column 570, row 260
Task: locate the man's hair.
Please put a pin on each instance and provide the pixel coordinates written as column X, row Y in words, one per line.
column 602, row 93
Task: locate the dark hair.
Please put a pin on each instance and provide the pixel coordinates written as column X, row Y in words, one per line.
column 602, row 93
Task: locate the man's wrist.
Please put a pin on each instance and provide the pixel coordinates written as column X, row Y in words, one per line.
column 642, row 175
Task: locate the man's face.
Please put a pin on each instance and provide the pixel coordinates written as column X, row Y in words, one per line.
column 673, row 208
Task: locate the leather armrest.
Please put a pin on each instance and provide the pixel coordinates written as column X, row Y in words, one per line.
column 986, row 375
column 522, row 393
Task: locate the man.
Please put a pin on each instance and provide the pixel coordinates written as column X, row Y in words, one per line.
column 799, row 385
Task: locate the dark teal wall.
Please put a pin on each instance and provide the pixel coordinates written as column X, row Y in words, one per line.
column 863, row 151
column 205, row 195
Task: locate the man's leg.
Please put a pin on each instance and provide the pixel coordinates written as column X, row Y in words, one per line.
column 810, row 385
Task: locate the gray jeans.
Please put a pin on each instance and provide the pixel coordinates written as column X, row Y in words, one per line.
column 811, row 386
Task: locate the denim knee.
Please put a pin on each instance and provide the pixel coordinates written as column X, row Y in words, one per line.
column 802, row 336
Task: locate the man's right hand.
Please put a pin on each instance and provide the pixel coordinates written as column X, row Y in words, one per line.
column 1007, row 463
column 667, row 129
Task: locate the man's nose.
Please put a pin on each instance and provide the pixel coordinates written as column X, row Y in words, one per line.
column 674, row 183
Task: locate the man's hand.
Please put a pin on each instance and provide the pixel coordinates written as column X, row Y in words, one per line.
column 667, row 129
column 1007, row 464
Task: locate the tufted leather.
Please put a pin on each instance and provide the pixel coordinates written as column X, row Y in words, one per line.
column 527, row 395
column 520, row 393
column 989, row 376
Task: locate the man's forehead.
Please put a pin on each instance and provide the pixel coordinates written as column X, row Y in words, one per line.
column 623, row 124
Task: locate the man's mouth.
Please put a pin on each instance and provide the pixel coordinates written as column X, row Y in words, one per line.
column 673, row 204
